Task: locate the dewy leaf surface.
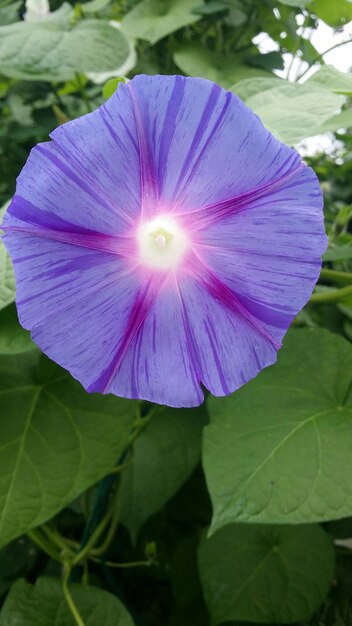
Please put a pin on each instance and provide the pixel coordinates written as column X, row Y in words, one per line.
column 55, row 440
column 44, row 605
column 164, row 456
column 265, row 574
column 279, row 449
column 53, row 49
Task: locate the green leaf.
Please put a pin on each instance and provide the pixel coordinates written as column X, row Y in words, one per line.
column 277, row 574
column 251, row 86
column 279, row 449
column 293, row 112
column 44, row 604
column 331, row 78
column 295, row 3
column 7, row 276
column 334, row 13
column 111, row 86
column 267, row 60
column 10, row 13
column 195, row 60
column 16, row 559
column 55, row 440
column 214, row 6
column 152, row 20
column 94, row 6
column 164, row 457
column 13, row 338
column 338, row 253
column 54, row 50
column 334, row 123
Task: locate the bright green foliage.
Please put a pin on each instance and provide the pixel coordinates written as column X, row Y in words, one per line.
column 55, row 440
column 111, row 86
column 252, row 86
column 330, row 78
column 341, row 120
column 290, row 111
column 9, row 12
column 279, row 449
column 265, row 574
column 94, row 6
column 44, row 605
column 194, row 60
column 295, row 3
column 154, row 19
column 57, row 50
column 165, row 455
column 7, row 277
column 335, row 13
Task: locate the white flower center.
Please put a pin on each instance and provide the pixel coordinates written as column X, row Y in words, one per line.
column 162, row 243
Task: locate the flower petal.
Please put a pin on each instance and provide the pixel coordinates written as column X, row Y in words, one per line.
column 269, row 252
column 206, row 145
column 87, row 177
column 159, row 364
column 253, row 240
column 229, row 349
column 74, row 300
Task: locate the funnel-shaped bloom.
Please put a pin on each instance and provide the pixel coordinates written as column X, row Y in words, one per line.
column 164, row 242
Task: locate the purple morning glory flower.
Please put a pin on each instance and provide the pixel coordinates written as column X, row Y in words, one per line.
column 164, row 242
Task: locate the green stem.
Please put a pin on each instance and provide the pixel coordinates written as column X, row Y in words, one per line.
column 120, row 468
column 68, row 596
column 335, row 275
column 93, row 538
column 82, row 91
column 36, row 536
column 112, row 529
column 58, row 540
column 141, row 423
column 124, row 565
column 320, row 56
column 331, row 296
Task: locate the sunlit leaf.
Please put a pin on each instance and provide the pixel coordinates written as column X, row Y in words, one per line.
column 226, row 70
column 331, row 78
column 334, row 123
column 7, row 276
column 154, row 19
column 293, row 112
column 335, row 13
column 56, row 50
